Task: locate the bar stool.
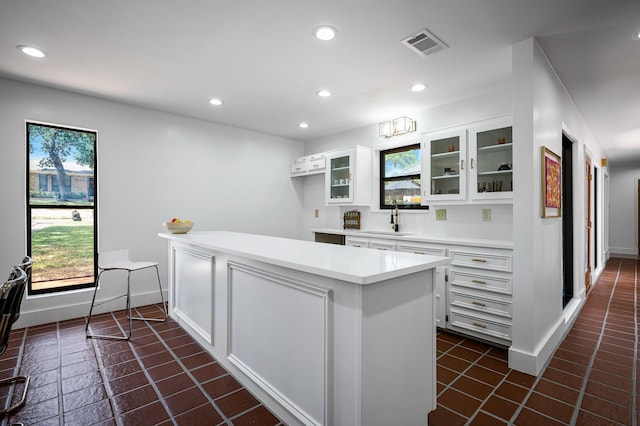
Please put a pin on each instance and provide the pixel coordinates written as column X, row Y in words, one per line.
column 118, row 260
column 11, row 293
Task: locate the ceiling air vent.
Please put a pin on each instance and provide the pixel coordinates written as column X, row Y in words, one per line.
column 424, row 43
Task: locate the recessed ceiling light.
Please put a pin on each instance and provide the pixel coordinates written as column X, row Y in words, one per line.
column 34, row 52
column 324, row 32
column 303, row 125
column 215, row 102
column 636, row 35
column 324, row 93
column 418, row 87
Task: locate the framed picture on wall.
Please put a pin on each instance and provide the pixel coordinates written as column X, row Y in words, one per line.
column 551, row 183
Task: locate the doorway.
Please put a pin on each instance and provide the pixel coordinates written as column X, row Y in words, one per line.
column 588, row 224
column 596, row 252
column 567, row 220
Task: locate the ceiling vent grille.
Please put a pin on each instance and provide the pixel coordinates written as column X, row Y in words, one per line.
column 424, row 42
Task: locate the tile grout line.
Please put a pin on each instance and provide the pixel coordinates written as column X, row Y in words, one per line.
column 197, row 383
column 576, row 410
column 146, row 374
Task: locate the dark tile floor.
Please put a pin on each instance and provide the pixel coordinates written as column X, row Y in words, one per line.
column 591, row 380
column 162, row 376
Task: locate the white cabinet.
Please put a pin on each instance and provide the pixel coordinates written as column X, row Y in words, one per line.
column 356, row 242
column 348, row 180
column 308, row 165
column 473, row 170
column 491, row 160
column 444, row 165
column 479, row 293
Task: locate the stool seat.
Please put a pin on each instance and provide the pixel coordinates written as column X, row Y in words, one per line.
column 118, row 260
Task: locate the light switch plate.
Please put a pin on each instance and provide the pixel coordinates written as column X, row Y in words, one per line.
column 441, row 214
column 317, row 213
column 486, row 215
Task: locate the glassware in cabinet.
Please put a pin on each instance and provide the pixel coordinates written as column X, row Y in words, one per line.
column 491, row 151
column 444, row 164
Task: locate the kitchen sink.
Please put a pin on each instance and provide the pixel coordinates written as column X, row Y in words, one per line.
column 386, row 233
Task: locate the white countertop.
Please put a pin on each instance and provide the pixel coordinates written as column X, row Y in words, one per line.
column 422, row 238
column 345, row 263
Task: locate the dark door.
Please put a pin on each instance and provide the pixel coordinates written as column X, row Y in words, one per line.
column 567, row 220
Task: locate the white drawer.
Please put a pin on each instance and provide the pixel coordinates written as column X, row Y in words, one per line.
column 356, row 242
column 479, row 325
column 469, row 279
column 299, row 165
column 316, row 163
column 479, row 260
column 480, row 303
column 382, row 245
column 422, row 249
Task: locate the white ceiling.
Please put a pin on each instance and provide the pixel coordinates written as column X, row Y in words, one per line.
column 261, row 59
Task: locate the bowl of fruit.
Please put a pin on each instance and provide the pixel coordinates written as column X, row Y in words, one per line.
column 177, row 226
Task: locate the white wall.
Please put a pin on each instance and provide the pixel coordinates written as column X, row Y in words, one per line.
column 152, row 166
column 462, row 220
column 623, row 236
column 541, row 110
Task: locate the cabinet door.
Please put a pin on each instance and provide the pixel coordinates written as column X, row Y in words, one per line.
column 444, row 164
column 299, row 166
column 316, row 163
column 490, row 160
column 339, row 181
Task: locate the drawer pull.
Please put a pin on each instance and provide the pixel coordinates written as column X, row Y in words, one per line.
column 478, row 303
column 477, row 324
column 381, row 248
column 356, row 245
column 478, row 281
column 479, row 260
column 419, row 252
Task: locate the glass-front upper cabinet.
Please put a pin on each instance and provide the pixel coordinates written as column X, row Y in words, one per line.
column 444, row 163
column 348, row 176
column 340, row 185
column 491, row 159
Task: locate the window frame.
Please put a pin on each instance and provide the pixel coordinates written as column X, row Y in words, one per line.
column 30, row 207
column 384, row 179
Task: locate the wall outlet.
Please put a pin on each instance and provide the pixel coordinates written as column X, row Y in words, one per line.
column 317, row 213
column 441, row 214
column 486, row 215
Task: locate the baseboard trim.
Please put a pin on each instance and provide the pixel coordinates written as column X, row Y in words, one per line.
column 81, row 309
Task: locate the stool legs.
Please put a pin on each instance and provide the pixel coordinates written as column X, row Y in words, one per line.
column 164, row 307
column 128, row 308
column 93, row 304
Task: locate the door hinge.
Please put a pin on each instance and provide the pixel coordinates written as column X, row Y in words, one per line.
column 446, row 278
column 446, row 318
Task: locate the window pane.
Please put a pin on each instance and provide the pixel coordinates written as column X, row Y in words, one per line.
column 402, row 163
column 62, row 247
column 405, row 192
column 61, row 209
column 60, row 155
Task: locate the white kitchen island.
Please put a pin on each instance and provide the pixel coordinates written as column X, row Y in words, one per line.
column 321, row 334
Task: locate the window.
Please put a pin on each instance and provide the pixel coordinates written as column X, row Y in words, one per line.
column 61, row 207
column 400, row 170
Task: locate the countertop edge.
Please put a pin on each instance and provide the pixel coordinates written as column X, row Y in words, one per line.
column 420, row 238
column 204, row 239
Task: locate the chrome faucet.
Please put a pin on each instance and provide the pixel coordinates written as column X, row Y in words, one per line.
column 395, row 225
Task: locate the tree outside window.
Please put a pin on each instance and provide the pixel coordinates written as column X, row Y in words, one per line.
column 61, row 208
